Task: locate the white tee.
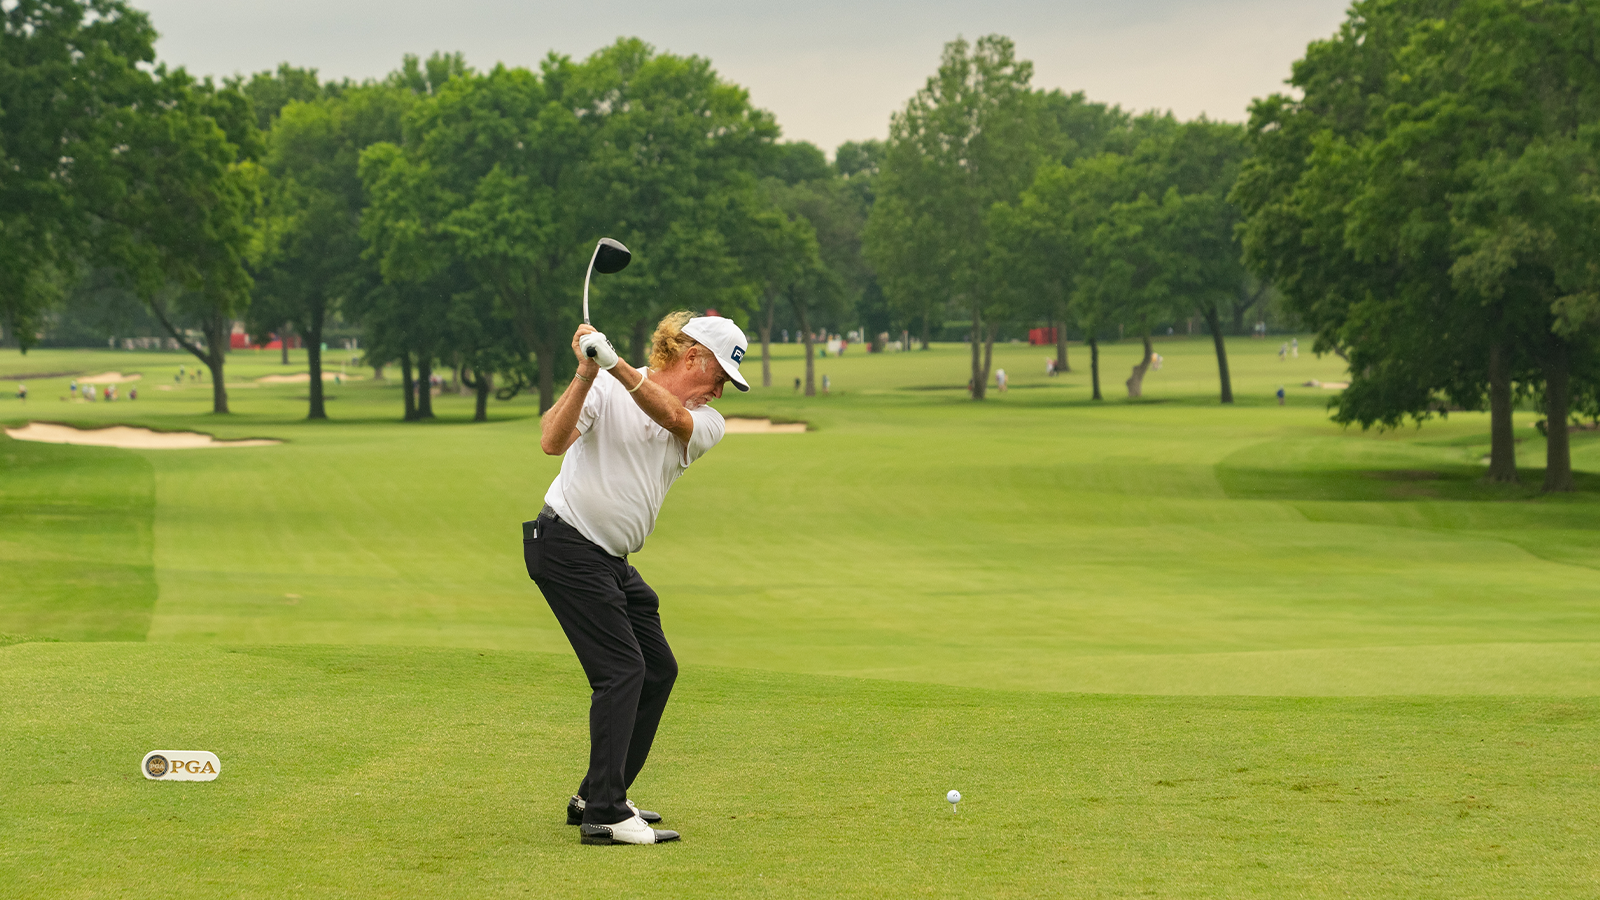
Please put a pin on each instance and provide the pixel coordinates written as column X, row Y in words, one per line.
column 616, row 474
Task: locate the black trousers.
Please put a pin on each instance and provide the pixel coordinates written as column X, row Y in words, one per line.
column 612, row 619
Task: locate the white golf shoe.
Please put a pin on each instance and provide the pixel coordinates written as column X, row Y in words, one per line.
column 576, row 805
column 628, row 831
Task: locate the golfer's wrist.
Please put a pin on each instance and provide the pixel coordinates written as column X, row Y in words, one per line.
column 588, row 369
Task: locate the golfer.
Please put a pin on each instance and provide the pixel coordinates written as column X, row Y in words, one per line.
column 627, row 434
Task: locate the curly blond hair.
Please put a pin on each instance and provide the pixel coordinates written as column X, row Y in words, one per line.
column 669, row 343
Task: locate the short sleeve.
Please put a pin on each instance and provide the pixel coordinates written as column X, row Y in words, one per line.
column 708, row 429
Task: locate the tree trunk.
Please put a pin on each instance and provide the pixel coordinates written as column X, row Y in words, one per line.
column 1061, row 347
column 639, row 341
column 1502, row 438
column 283, row 342
column 314, row 361
column 547, row 373
column 800, row 313
column 1136, row 379
column 924, row 332
column 409, row 385
column 988, row 352
column 480, row 412
column 1557, row 404
column 424, row 386
column 1094, row 364
column 216, row 328
column 1214, row 322
column 980, row 377
column 766, row 344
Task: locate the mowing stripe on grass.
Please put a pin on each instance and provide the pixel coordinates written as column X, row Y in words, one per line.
column 75, row 542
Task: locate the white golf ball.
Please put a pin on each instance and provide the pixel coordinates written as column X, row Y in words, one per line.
column 953, row 796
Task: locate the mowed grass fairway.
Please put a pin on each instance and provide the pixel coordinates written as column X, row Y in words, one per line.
column 1163, row 648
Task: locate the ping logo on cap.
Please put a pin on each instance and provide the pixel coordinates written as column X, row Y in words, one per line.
column 737, row 354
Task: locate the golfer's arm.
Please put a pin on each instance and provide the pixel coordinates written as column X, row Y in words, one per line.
column 657, row 402
column 558, row 429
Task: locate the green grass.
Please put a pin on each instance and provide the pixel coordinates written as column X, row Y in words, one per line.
column 376, row 772
column 1164, row 647
column 75, row 542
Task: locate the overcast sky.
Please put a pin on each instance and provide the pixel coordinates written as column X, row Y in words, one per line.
column 831, row 70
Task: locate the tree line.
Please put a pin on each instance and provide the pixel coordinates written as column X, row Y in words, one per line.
column 1423, row 202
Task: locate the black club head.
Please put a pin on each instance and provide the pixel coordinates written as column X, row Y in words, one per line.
column 611, row 257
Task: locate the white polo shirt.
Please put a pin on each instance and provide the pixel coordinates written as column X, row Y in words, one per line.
column 616, row 474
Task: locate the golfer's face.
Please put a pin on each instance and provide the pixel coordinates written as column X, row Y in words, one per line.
column 708, row 378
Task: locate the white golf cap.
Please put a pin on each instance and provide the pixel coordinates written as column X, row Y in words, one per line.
column 724, row 339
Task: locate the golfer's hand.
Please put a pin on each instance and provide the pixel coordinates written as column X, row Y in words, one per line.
column 595, row 346
column 585, row 364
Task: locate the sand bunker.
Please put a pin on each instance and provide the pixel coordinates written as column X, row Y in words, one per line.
column 304, row 378
column 110, row 378
column 126, row 437
column 1327, row 385
column 763, row 426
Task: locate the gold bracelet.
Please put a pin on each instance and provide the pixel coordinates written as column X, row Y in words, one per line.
column 580, row 375
column 643, row 377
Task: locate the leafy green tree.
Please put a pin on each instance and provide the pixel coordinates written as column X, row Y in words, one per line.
column 774, row 251
column 270, row 91
column 69, row 82
column 180, row 228
column 674, row 160
column 1407, row 205
column 515, row 173
column 818, row 252
column 311, row 255
column 972, row 137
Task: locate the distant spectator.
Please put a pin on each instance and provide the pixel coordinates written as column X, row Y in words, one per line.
column 1294, row 348
column 826, row 384
column 1000, row 379
column 22, row 392
column 1050, row 366
column 133, row 393
column 1280, row 395
column 797, row 384
column 1155, row 361
column 73, row 388
column 1283, row 352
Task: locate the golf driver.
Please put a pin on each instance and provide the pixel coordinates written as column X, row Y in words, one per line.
column 609, row 257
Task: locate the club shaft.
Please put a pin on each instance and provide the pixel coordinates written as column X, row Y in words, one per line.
column 586, row 276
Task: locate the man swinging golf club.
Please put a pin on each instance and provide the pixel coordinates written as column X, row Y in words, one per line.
column 627, row 436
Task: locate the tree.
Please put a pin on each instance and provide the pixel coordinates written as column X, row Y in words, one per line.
column 773, row 250
column 1414, row 207
column 179, row 229
column 823, row 274
column 515, row 173
column 675, row 161
column 312, row 248
column 69, row 80
column 972, row 137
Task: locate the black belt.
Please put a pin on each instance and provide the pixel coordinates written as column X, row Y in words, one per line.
column 530, row 530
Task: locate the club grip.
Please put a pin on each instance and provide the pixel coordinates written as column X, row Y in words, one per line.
column 589, row 353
